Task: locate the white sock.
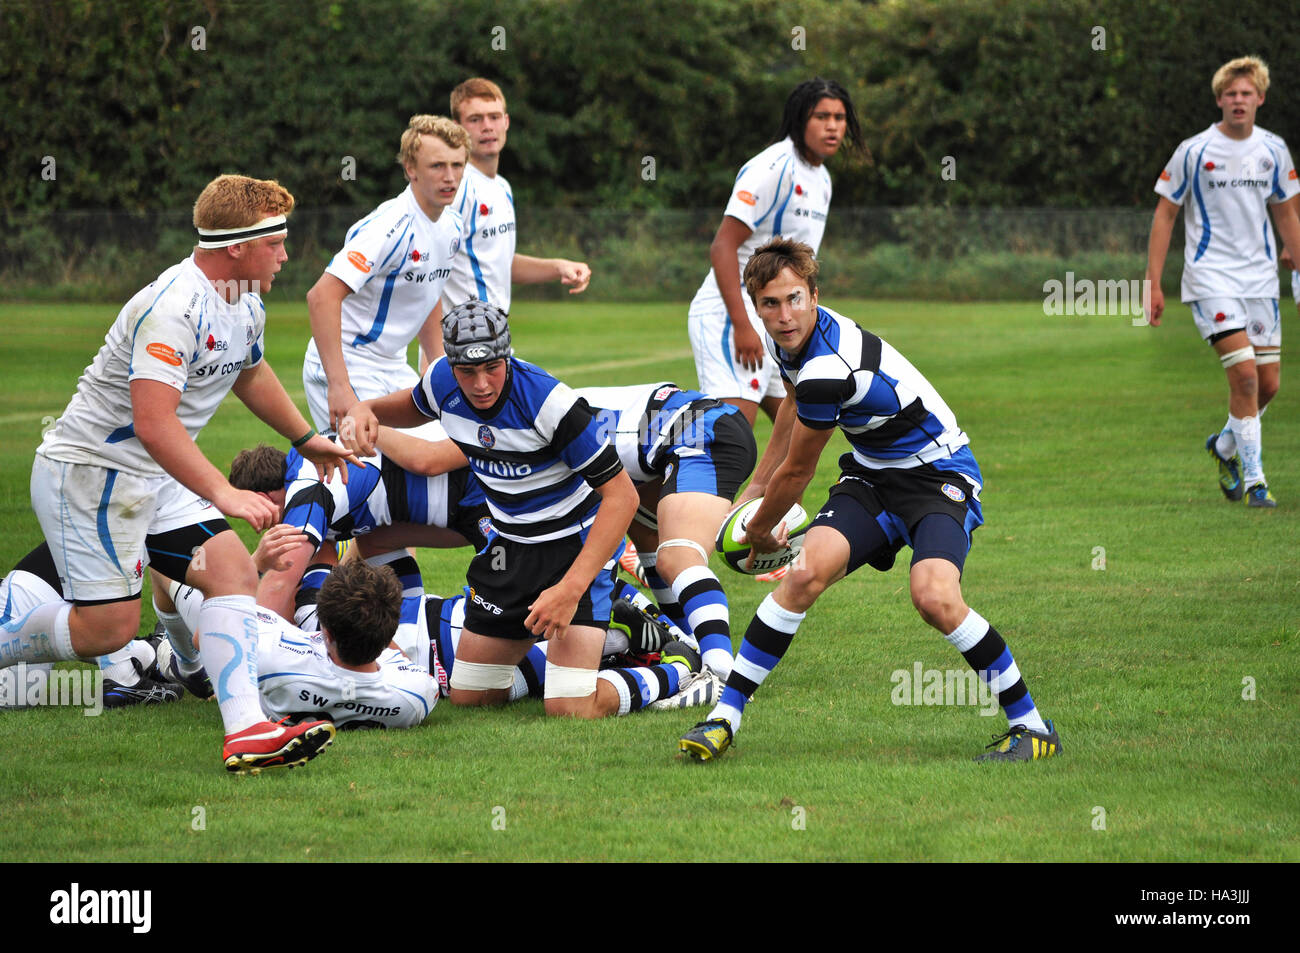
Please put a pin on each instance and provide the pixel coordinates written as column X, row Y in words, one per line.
column 1226, row 445
column 1249, row 440
column 181, row 637
column 228, row 648
column 43, row 635
column 117, row 665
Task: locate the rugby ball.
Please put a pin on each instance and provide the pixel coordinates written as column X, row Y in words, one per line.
column 735, row 552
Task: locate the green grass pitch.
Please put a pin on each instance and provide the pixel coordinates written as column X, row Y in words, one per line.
column 1154, row 622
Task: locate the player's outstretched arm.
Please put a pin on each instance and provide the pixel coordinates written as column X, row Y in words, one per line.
column 526, row 270
column 263, row 394
column 788, row 483
column 325, row 312
column 414, row 455
column 359, row 428
column 552, row 611
column 1162, row 227
column 724, row 254
column 282, row 555
column 160, row 432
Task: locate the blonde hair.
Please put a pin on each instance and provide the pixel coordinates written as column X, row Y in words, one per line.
column 426, row 125
column 236, row 201
column 476, row 88
column 1251, row 67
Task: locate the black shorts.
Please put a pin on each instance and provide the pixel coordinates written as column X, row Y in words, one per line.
column 933, row 510
column 505, row 578
column 723, row 467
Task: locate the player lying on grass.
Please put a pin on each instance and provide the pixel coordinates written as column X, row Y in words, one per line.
column 910, row 480
column 688, row 454
column 383, row 506
column 119, row 480
column 560, row 503
column 363, row 655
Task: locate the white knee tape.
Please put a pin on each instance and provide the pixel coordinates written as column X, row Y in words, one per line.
column 481, row 677
column 1232, row 358
column 565, row 682
column 1268, row 355
column 687, row 543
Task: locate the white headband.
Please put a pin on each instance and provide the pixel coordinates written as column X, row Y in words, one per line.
column 223, row 237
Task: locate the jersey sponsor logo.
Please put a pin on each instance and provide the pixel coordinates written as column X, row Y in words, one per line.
column 663, row 392
column 480, row 601
column 214, row 345
column 502, row 229
column 502, row 469
column 1164, row 175
column 1291, row 174
column 1220, row 317
column 953, row 493
column 483, row 209
column 164, row 354
column 749, row 198
column 360, row 262
column 1209, row 167
column 485, row 435
column 214, row 370
column 423, row 276
column 416, row 255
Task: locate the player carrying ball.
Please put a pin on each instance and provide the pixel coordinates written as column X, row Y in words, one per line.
column 910, row 479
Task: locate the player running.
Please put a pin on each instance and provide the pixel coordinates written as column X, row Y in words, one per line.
column 1232, row 172
column 910, row 479
column 119, row 482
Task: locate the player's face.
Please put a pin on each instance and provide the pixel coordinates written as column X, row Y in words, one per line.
column 260, row 261
column 435, row 174
column 825, row 129
column 486, row 121
column 1239, row 101
column 481, row 383
column 788, row 310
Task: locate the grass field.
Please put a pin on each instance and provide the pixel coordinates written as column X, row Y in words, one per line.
column 1139, row 605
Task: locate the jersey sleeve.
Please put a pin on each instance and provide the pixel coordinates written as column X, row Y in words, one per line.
column 818, row 399
column 369, row 249
column 1286, row 183
column 425, row 393
column 1172, row 181
column 309, row 504
column 758, row 189
column 163, row 341
column 578, row 436
column 257, row 347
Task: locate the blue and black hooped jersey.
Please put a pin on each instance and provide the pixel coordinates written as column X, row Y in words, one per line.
column 848, row 377
column 539, row 452
column 378, row 493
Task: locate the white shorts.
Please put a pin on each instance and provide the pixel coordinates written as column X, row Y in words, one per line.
column 716, row 364
column 369, row 383
column 96, row 520
column 1258, row 317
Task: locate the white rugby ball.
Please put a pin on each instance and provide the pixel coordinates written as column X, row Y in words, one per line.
column 736, row 553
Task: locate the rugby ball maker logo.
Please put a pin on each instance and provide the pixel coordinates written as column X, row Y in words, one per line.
column 953, row 493
column 486, row 437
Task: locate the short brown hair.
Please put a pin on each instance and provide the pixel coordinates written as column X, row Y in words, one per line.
column 260, row 469
column 236, row 201
column 426, row 125
column 1251, row 67
column 770, row 259
column 476, row 88
column 359, row 606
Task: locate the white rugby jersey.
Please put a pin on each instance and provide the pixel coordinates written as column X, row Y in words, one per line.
column 295, row 675
column 1226, row 186
column 396, row 261
column 179, row 331
column 539, row 452
column 486, row 205
column 776, row 193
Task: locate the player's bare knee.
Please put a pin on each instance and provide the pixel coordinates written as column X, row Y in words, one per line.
column 940, row 605
column 803, row 585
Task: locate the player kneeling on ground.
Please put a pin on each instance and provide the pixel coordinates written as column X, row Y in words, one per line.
column 560, row 503
column 909, row 480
